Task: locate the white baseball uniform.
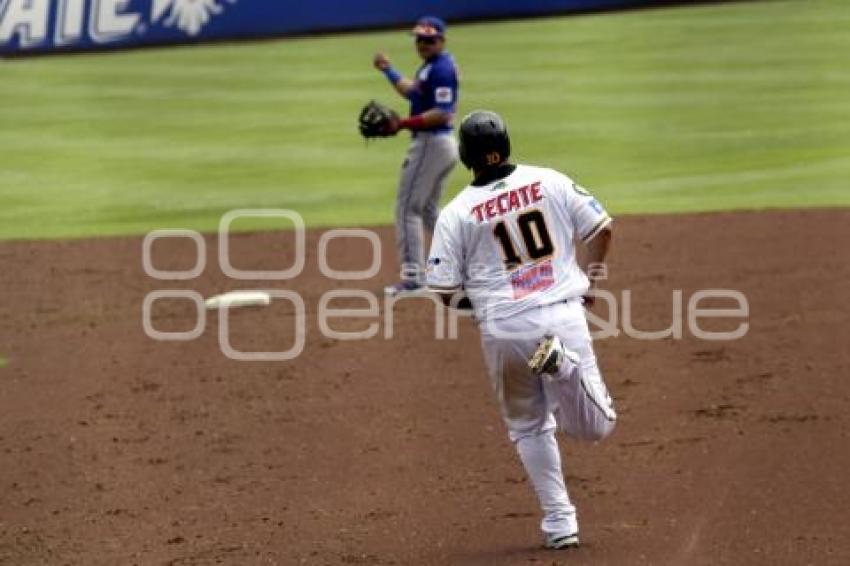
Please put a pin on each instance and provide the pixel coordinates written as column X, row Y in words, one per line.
column 510, row 246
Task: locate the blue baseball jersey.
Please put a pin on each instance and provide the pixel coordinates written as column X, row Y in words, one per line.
column 435, row 86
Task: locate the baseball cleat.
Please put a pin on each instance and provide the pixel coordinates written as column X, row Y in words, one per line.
column 403, row 288
column 558, row 542
column 548, row 357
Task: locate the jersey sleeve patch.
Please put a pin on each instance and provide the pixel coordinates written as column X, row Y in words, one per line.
column 442, row 274
column 443, row 95
column 587, row 214
column 580, row 190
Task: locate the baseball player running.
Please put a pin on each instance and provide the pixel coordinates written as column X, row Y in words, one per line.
column 432, row 155
column 505, row 247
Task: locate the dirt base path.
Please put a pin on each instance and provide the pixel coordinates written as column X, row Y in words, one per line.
column 118, row 449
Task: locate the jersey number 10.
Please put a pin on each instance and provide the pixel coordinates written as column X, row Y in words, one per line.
column 535, row 237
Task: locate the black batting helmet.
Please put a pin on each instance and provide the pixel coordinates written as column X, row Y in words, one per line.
column 484, row 140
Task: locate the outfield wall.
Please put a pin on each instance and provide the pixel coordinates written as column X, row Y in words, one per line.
column 33, row 26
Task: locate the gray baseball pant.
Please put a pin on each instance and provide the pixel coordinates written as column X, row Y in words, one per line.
column 430, row 159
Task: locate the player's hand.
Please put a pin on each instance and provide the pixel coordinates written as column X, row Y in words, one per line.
column 381, row 62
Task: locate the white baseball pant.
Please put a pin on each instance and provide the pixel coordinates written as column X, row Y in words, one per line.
column 574, row 400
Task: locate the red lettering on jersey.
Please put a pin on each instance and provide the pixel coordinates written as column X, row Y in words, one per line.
column 476, row 210
column 514, row 200
column 521, row 192
column 508, row 201
column 535, row 192
column 501, row 201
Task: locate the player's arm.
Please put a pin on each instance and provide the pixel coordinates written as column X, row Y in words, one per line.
column 444, row 82
column 445, row 260
column 593, row 228
column 594, row 266
column 432, row 118
column 401, row 84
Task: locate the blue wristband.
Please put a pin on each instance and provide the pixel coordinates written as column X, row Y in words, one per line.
column 392, row 75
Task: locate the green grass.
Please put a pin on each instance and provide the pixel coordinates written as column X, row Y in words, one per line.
column 3, row 362
column 693, row 108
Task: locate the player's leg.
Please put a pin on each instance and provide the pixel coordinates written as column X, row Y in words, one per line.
column 585, row 409
column 429, row 162
column 439, row 159
column 408, row 224
column 531, row 426
column 444, row 163
column 542, row 462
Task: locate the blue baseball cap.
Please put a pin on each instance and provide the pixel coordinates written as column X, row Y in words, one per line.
column 429, row 26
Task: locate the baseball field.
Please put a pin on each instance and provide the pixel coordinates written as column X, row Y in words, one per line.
column 717, row 134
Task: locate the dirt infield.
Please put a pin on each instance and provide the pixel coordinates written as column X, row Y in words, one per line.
column 118, row 449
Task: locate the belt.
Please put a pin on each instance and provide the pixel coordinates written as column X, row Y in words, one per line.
column 430, row 133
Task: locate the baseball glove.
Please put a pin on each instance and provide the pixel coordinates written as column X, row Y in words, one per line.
column 377, row 121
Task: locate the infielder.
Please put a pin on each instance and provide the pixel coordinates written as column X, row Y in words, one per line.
column 505, row 247
column 432, row 155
